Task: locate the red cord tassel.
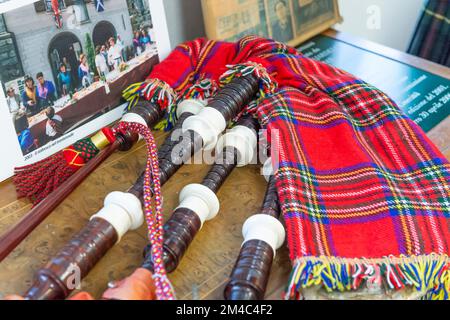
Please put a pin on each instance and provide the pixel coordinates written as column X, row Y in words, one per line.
column 36, row 181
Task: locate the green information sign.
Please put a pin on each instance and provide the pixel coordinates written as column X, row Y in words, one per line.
column 423, row 96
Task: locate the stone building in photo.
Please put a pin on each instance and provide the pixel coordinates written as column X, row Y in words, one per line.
column 30, row 42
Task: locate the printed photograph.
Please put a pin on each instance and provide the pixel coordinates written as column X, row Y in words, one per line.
column 64, row 63
column 310, row 13
column 280, row 20
column 241, row 18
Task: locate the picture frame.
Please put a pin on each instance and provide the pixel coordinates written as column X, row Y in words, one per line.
column 288, row 21
column 87, row 106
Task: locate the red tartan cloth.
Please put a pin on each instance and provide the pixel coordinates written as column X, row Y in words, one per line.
column 364, row 193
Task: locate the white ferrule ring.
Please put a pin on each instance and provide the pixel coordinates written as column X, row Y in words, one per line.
column 267, row 169
column 208, row 123
column 134, row 117
column 193, row 106
column 265, row 228
column 243, row 139
column 201, row 200
column 123, row 211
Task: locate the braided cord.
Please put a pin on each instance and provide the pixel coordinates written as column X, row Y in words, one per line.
column 154, row 218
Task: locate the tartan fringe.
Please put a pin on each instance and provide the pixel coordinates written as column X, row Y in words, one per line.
column 156, row 91
column 203, row 89
column 428, row 274
column 267, row 86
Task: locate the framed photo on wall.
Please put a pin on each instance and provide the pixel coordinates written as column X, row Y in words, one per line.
column 279, row 20
column 64, row 67
column 288, row 21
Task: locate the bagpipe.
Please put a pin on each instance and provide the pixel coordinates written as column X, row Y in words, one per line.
column 351, row 203
column 123, row 211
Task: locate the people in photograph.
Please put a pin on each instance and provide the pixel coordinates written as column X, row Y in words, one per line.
column 13, row 101
column 100, row 63
column 145, row 40
column 30, row 97
column 151, row 33
column 53, row 127
column 67, row 64
column 114, row 53
column 46, row 90
column 24, row 135
column 121, row 44
column 64, row 80
column 84, row 72
column 137, row 43
column 282, row 26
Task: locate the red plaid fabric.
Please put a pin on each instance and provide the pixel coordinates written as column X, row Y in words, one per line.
column 364, row 193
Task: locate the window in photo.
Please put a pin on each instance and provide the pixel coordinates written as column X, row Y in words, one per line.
column 48, row 5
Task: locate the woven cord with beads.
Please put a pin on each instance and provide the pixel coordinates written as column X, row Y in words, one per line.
column 153, row 218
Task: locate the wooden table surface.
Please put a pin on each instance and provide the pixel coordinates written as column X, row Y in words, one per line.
column 204, row 270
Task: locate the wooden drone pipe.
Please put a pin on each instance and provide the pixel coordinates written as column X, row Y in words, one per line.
column 121, row 212
column 92, row 243
column 263, row 234
column 14, row 236
column 52, row 282
column 198, row 202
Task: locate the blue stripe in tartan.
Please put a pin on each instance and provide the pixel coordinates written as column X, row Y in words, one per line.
column 291, row 118
column 392, row 212
column 362, row 165
column 344, row 84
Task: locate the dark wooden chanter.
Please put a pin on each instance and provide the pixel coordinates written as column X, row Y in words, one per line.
column 198, row 202
column 84, row 250
column 263, row 234
column 16, row 234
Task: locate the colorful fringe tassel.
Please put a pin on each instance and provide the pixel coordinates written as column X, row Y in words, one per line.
column 267, row 85
column 428, row 275
column 160, row 92
column 201, row 90
column 155, row 91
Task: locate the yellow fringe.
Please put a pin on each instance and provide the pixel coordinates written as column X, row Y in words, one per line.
column 429, row 274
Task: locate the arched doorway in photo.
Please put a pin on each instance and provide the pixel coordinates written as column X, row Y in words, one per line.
column 102, row 32
column 65, row 48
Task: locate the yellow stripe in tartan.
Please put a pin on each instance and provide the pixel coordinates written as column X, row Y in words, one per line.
column 437, row 15
column 360, row 214
column 425, row 154
column 386, row 174
column 205, row 54
column 185, row 81
column 314, row 199
column 356, row 122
